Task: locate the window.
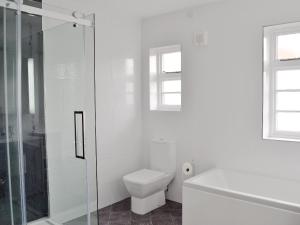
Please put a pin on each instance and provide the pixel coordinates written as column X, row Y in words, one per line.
column 282, row 82
column 31, row 90
column 165, row 78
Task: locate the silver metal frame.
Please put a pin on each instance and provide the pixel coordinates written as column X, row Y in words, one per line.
column 6, row 118
column 45, row 13
column 19, row 112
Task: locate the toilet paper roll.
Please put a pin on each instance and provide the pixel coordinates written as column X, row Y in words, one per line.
column 187, row 169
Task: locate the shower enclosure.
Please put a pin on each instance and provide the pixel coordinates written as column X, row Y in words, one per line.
column 48, row 161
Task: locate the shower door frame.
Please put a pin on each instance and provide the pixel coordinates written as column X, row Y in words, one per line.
column 20, row 8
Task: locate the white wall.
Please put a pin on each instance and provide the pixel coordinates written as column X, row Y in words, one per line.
column 221, row 119
column 119, row 128
column 119, row 103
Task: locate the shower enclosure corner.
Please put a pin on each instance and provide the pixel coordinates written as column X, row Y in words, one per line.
column 48, row 156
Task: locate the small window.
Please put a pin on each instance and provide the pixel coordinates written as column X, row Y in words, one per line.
column 282, row 82
column 165, row 78
column 171, row 62
column 288, row 46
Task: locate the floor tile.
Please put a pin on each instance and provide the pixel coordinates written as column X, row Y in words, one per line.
column 120, row 214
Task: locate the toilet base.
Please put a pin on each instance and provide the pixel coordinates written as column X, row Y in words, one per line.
column 142, row 206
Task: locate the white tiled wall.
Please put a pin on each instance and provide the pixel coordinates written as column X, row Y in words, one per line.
column 221, row 119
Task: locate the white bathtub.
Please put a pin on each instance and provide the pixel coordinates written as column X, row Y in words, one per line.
column 226, row 197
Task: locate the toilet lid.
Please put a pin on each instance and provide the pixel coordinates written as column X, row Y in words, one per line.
column 145, row 176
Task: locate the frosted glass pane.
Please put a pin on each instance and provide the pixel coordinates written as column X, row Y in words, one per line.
column 171, row 86
column 288, row 46
column 288, row 122
column 171, row 99
column 288, row 79
column 171, row 62
column 288, row 101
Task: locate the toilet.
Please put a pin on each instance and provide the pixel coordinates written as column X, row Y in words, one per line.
column 147, row 186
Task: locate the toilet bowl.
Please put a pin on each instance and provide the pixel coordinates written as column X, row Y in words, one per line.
column 147, row 186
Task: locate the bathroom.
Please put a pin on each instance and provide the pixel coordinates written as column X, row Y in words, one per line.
column 95, row 74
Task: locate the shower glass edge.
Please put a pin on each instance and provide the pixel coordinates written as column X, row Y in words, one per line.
column 11, row 125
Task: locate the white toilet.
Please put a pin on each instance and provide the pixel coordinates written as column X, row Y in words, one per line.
column 147, row 186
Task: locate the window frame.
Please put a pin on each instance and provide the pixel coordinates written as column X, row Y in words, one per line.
column 161, row 76
column 272, row 65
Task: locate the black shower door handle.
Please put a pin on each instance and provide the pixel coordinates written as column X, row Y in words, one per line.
column 79, row 134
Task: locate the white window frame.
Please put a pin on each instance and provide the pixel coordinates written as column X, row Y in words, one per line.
column 271, row 66
column 160, row 76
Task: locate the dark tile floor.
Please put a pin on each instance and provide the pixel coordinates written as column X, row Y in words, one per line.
column 120, row 214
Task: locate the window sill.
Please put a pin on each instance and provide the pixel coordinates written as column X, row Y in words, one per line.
column 167, row 109
column 289, row 139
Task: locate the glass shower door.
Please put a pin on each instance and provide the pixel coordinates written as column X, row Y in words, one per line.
column 47, row 120
column 70, row 122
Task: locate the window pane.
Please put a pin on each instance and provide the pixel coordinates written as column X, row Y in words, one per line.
column 288, row 79
column 171, row 62
column 171, row 86
column 288, row 101
column 288, row 46
column 171, row 99
column 288, row 122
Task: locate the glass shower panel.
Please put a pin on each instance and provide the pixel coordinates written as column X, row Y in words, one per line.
column 11, row 210
column 59, row 121
column 70, row 121
column 33, row 119
column 47, row 121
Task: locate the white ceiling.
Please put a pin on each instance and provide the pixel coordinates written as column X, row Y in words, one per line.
column 149, row 8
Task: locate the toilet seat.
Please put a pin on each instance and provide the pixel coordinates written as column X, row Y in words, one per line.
column 146, row 182
column 145, row 176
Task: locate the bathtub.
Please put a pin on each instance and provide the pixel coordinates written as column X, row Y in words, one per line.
column 227, row 197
